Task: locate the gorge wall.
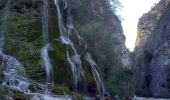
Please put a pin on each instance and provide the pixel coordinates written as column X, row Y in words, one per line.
column 151, row 55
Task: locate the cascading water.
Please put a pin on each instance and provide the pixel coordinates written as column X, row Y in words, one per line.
column 76, row 58
column 75, row 62
column 15, row 77
column 47, row 65
column 45, row 58
column 100, row 86
column 44, row 51
column 93, row 66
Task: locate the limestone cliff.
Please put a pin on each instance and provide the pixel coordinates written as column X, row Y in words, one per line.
column 151, row 54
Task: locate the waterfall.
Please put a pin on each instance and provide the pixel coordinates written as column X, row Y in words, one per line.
column 65, row 33
column 93, row 66
column 44, row 51
column 100, row 86
column 46, row 60
column 15, row 77
column 74, row 60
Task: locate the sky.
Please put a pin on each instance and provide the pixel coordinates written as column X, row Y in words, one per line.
column 131, row 11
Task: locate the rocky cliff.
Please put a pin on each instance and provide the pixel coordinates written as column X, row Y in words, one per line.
column 151, row 55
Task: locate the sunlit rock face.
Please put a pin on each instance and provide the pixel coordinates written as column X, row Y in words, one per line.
column 152, row 55
column 147, row 23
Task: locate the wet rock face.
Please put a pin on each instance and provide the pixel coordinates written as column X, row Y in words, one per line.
column 152, row 69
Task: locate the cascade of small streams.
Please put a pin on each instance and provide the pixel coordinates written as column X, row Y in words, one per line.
column 74, row 60
column 14, row 73
column 15, row 77
column 65, row 33
column 93, row 65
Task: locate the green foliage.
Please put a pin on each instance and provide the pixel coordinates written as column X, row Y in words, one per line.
column 100, row 43
column 87, row 10
column 23, row 41
column 119, row 81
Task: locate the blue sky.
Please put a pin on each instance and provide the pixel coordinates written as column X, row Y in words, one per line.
column 131, row 11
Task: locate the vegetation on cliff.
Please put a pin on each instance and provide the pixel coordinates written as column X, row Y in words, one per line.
column 94, row 20
column 101, row 29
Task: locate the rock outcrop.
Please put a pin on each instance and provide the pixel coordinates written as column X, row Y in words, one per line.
column 152, row 54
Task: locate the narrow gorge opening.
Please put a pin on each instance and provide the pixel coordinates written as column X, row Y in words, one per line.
column 130, row 13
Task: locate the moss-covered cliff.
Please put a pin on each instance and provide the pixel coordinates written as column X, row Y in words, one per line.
column 94, row 20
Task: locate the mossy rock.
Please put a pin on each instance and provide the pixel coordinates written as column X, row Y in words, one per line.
column 89, row 77
column 62, row 91
column 19, row 96
column 62, row 72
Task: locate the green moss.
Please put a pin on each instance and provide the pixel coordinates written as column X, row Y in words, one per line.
column 58, row 57
column 62, row 91
column 89, row 76
column 19, row 96
column 24, row 41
